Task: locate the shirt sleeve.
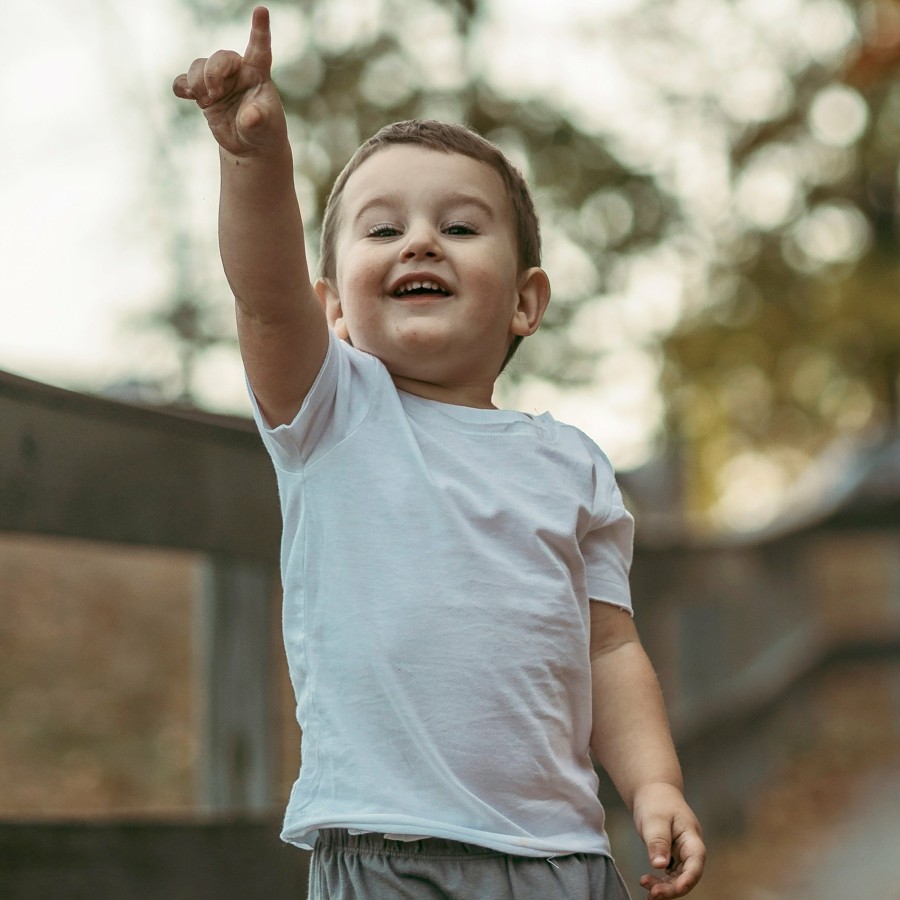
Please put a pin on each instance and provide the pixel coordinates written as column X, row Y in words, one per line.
column 608, row 545
column 334, row 408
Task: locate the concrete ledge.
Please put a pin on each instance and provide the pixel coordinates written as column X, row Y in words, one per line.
column 242, row 859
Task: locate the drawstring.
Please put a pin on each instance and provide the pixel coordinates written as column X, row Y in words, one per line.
column 550, row 860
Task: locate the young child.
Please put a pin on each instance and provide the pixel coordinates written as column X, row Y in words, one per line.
column 456, row 604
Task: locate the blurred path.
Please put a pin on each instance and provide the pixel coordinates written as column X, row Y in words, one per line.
column 827, row 827
column 860, row 855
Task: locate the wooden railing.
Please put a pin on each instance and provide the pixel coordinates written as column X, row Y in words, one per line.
column 79, row 466
column 733, row 627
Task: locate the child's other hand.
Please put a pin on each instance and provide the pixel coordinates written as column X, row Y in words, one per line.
column 236, row 93
column 674, row 843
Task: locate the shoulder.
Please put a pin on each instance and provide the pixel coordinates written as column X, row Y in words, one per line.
column 579, row 443
column 347, row 386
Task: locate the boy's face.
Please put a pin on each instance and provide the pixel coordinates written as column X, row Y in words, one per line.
column 427, row 276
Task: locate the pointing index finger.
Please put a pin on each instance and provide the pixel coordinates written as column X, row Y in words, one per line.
column 259, row 48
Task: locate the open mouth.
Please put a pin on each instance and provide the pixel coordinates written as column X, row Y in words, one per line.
column 421, row 289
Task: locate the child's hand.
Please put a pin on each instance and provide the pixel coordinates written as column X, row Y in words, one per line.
column 672, row 836
column 236, row 93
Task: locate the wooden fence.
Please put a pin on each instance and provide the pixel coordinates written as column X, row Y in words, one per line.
column 735, row 630
column 79, row 466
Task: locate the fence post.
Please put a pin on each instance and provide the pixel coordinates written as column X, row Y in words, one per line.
column 235, row 685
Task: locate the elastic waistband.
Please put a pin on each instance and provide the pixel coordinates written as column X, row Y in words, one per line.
column 341, row 839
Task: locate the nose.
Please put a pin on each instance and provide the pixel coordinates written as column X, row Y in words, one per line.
column 421, row 243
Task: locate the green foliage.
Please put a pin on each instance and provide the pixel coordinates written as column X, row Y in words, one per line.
column 788, row 332
column 361, row 66
column 798, row 344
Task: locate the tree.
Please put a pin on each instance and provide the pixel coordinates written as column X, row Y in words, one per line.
column 732, row 223
column 361, row 66
column 798, row 343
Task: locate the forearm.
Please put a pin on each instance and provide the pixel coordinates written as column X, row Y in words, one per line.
column 631, row 737
column 281, row 326
column 261, row 234
column 631, row 740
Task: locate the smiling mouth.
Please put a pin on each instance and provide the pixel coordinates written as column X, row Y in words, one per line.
column 421, row 289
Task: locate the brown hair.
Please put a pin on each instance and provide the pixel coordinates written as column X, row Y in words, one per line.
column 445, row 138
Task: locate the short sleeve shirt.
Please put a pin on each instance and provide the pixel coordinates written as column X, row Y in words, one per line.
column 438, row 562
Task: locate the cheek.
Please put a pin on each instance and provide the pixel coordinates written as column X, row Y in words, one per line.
column 361, row 274
column 497, row 280
column 360, row 286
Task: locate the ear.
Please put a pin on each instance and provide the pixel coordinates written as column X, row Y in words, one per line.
column 331, row 303
column 533, row 296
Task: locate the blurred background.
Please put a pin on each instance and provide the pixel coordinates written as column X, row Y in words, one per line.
column 718, row 188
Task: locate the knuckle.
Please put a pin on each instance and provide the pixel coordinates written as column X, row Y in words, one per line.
column 220, row 61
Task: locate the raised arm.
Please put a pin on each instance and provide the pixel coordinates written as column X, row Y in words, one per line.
column 631, row 740
column 281, row 326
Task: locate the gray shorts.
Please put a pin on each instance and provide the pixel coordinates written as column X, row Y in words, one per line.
column 370, row 867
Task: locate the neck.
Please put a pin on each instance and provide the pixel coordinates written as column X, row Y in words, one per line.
column 476, row 395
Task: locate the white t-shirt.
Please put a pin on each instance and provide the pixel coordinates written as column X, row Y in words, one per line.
column 437, row 563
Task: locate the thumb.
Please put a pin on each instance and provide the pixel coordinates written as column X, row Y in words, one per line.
column 249, row 117
column 659, row 850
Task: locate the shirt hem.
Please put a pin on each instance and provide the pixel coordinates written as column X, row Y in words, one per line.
column 305, row 835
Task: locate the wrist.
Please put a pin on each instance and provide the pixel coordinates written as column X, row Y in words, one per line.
column 276, row 151
column 652, row 791
column 260, row 175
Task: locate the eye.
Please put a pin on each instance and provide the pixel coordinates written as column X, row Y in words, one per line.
column 460, row 228
column 383, row 230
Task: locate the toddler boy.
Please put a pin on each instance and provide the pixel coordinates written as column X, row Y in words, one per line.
column 456, row 611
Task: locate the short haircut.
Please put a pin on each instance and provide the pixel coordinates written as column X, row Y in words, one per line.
column 445, row 138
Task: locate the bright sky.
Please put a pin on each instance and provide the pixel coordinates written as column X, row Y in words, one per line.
column 83, row 82
column 64, row 159
column 84, row 253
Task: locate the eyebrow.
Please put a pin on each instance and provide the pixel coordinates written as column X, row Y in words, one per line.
column 457, row 198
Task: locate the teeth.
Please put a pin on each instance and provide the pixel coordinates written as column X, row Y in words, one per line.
column 418, row 285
